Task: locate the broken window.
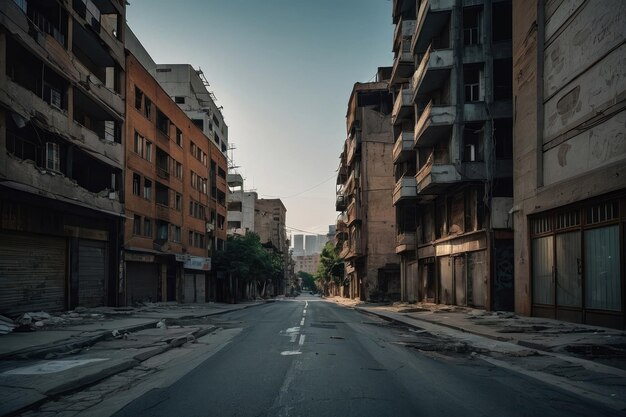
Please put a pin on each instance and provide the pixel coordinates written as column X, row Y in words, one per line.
column 136, row 184
column 147, row 189
column 220, row 221
column 138, row 98
column 472, row 22
column 136, row 225
column 221, row 173
column 502, row 27
column 199, row 123
column 163, row 123
column 162, row 195
column 502, row 79
column 53, row 157
column 179, row 99
column 473, row 138
column 472, row 83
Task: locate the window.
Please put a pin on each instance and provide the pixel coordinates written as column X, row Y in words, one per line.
column 138, row 144
column 179, row 170
column 194, row 180
column 138, row 98
column 148, row 151
column 473, row 142
column 136, row 225
column 199, row 123
column 472, row 20
column 175, row 233
column 136, row 184
column 178, row 201
column 179, row 99
column 179, row 138
column 190, row 238
column 53, row 160
column 147, row 227
column 220, row 221
column 221, row 173
column 147, row 108
column 471, row 81
column 163, row 123
column 147, row 189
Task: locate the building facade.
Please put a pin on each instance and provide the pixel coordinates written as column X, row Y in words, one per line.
column 570, row 160
column 270, row 216
column 62, row 93
column 189, row 88
column 452, row 124
column 175, row 194
column 306, row 263
column 298, row 245
column 241, row 206
column 366, row 228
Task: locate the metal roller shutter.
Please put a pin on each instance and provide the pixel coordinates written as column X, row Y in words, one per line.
column 142, row 281
column 32, row 273
column 91, row 273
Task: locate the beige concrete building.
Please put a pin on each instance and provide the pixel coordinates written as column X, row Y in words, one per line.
column 570, row 159
column 306, row 263
column 270, row 216
column 366, row 227
column 452, row 125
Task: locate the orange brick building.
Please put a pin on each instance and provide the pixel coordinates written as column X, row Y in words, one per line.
column 174, row 180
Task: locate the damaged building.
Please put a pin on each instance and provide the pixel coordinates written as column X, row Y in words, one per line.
column 452, row 125
column 366, row 226
column 175, row 194
column 62, row 77
column 570, row 160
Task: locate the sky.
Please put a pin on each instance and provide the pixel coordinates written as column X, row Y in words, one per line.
column 284, row 71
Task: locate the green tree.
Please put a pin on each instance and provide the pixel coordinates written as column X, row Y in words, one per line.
column 248, row 266
column 308, row 280
column 330, row 269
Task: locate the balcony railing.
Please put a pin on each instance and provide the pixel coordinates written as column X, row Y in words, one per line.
column 424, row 80
column 163, row 173
column 404, row 30
column 403, row 106
column 405, row 241
column 435, row 178
column 430, row 20
column 405, row 188
column 353, row 212
column 433, row 123
column 403, row 146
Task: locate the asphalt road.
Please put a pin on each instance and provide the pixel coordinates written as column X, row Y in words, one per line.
column 309, row 357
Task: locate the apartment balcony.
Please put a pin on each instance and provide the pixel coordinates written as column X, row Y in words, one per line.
column 432, row 16
column 352, row 144
column 404, row 31
column 354, row 213
column 403, row 66
column 403, row 147
column 403, row 106
column 405, row 242
column 341, row 224
column 435, row 122
column 351, row 249
column 433, row 70
column 163, row 212
column 436, row 178
column 351, row 184
column 404, row 189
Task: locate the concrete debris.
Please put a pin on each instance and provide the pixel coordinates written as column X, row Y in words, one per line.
column 161, row 325
column 6, row 325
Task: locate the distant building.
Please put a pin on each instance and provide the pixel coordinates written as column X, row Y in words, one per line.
column 307, row 263
column 332, row 232
column 241, row 207
column 569, row 211
column 366, row 228
column 269, row 223
column 298, row 245
column 321, row 242
column 310, row 244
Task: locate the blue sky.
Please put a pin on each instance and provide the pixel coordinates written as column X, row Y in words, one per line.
column 283, row 70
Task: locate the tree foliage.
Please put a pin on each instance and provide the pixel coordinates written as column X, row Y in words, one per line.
column 330, row 269
column 245, row 260
column 308, row 280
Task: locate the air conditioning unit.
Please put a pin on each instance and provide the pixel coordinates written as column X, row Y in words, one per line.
column 210, row 227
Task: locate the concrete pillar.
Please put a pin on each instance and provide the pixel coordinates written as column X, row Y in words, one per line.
column 456, row 81
column 3, row 114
